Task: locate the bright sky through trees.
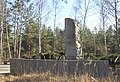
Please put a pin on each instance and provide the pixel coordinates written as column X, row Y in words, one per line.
column 65, row 10
column 92, row 19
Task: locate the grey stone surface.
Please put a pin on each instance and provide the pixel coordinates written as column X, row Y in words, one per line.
column 72, row 39
column 60, row 67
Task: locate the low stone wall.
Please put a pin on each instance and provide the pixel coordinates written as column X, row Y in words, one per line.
column 69, row 67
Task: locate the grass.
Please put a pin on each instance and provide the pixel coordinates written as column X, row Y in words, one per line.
column 48, row 77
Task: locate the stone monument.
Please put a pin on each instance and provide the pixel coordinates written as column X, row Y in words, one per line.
column 71, row 66
column 72, row 39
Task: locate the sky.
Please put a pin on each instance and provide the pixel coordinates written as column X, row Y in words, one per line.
column 65, row 10
column 92, row 19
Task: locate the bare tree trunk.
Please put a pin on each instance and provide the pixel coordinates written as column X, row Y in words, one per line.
column 15, row 37
column 78, row 8
column 20, row 38
column 39, row 24
column 29, row 47
column 54, row 39
column 40, row 36
column 106, row 50
column 20, row 41
column 84, row 22
column 1, row 32
column 7, row 34
column 1, row 27
column 85, row 14
column 116, row 26
column 103, row 15
column 112, row 8
column 8, row 44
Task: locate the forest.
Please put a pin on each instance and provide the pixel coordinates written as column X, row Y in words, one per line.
column 24, row 29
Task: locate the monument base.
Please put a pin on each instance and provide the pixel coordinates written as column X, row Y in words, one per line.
column 71, row 58
column 94, row 68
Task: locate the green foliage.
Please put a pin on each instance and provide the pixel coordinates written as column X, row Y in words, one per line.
column 52, row 41
column 88, row 41
column 111, row 41
column 47, row 40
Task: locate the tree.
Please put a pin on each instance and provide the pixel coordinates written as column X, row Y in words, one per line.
column 111, row 41
column 59, row 40
column 113, row 11
column 81, row 12
column 42, row 12
column 89, row 41
column 47, row 40
column 30, row 30
column 57, row 7
column 2, row 15
column 6, row 33
column 103, row 19
column 17, row 13
column 30, row 39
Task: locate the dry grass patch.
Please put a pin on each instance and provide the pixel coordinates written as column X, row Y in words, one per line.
column 48, row 77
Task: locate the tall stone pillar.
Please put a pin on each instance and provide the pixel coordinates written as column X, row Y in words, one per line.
column 72, row 39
